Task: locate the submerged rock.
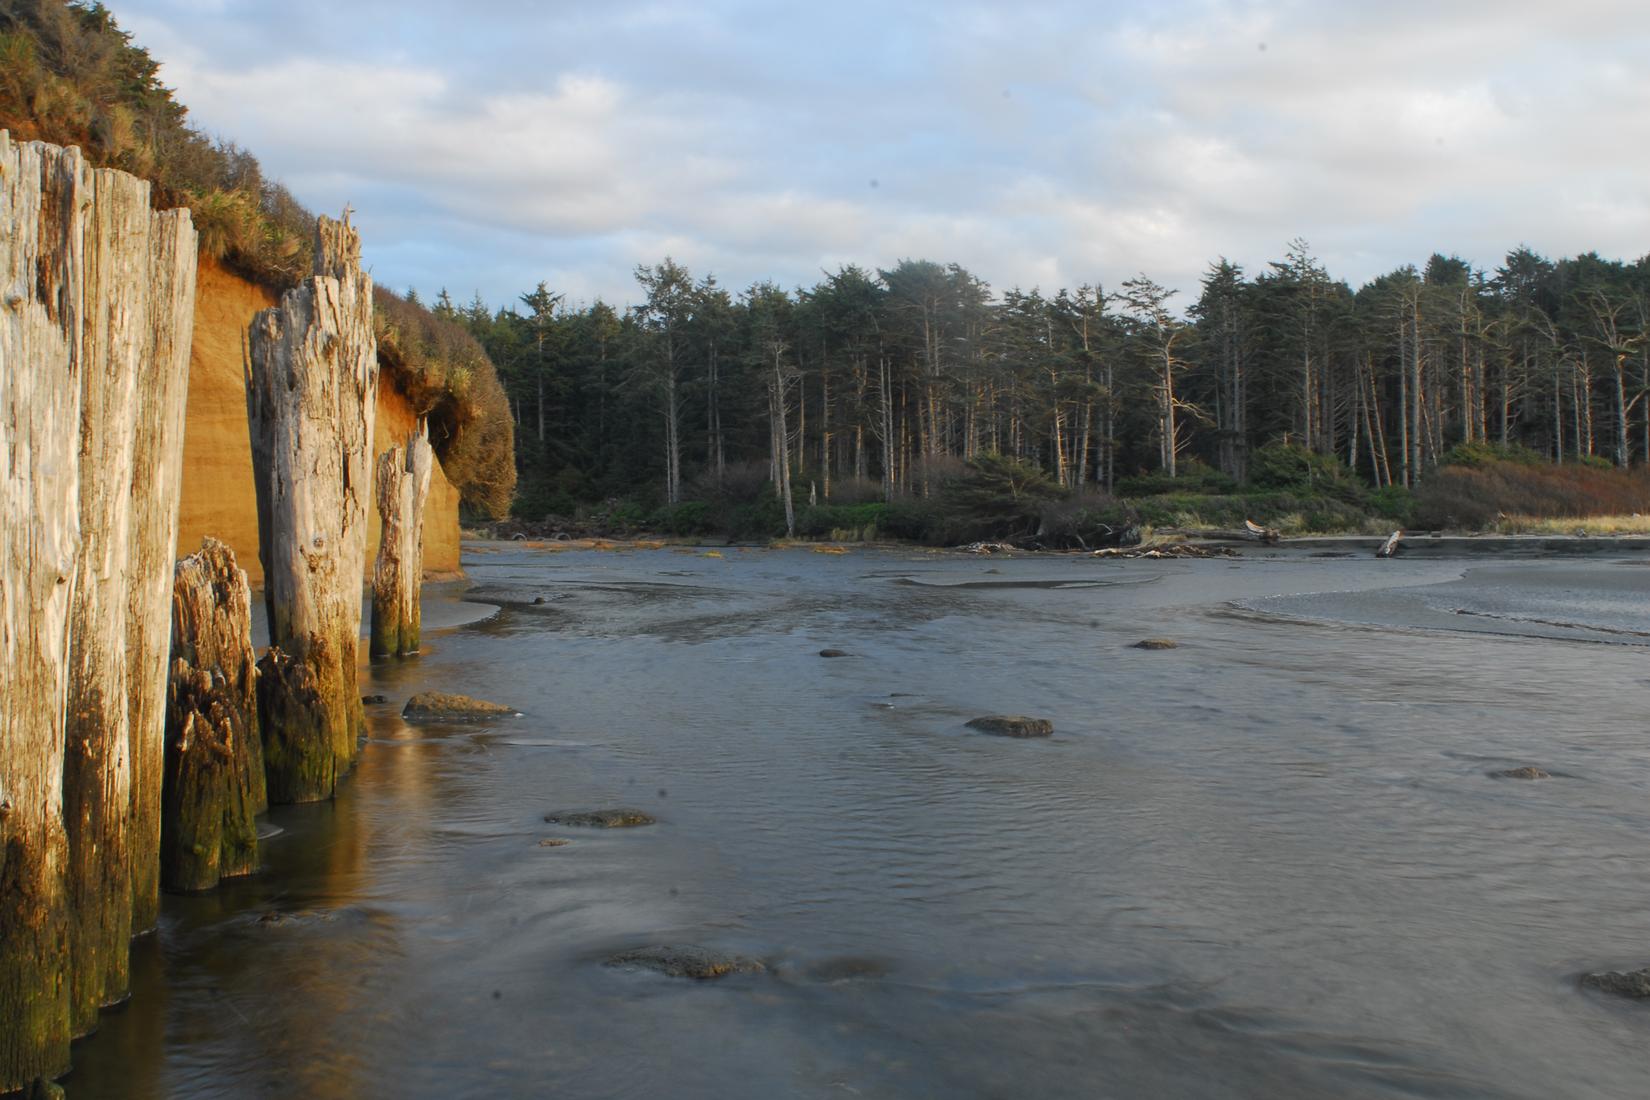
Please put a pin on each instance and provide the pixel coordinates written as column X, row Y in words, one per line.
column 849, row 968
column 1521, row 773
column 1635, row 983
column 554, row 842
column 686, row 961
column 371, row 699
column 1013, row 725
column 834, row 653
column 438, row 706
column 297, row 916
column 618, row 818
column 1157, row 643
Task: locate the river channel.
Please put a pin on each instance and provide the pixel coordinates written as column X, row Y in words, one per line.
column 1271, row 862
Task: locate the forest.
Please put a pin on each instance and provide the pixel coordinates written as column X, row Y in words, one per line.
column 888, row 385
column 1438, row 395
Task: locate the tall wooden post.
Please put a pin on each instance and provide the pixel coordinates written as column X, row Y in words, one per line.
column 138, row 296
column 312, row 393
column 43, row 190
column 214, row 774
column 403, row 481
column 157, row 482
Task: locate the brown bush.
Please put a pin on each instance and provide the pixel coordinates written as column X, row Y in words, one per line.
column 447, row 377
column 1475, row 497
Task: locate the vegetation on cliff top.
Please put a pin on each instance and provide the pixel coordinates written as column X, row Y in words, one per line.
column 69, row 75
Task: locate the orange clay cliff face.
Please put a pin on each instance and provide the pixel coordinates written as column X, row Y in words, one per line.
column 218, row 496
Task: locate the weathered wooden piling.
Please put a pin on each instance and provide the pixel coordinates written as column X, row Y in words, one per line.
column 312, row 393
column 157, row 480
column 214, row 767
column 97, row 295
column 138, row 299
column 403, row 481
column 42, row 191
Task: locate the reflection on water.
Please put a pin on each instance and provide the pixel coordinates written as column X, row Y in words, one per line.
column 1270, row 862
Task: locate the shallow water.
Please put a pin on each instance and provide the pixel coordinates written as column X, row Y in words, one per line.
column 1270, row 862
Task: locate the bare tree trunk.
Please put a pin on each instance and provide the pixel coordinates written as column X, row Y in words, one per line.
column 403, row 483
column 825, row 433
column 781, row 447
column 311, row 397
column 43, row 189
column 214, row 785
column 887, row 428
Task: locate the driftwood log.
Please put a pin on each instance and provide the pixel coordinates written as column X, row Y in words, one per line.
column 312, row 392
column 214, row 774
column 403, row 481
column 42, row 271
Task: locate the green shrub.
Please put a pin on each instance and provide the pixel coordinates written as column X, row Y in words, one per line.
column 763, row 518
column 820, row 520
column 1284, row 466
column 913, row 519
column 1192, row 477
column 1394, row 502
column 684, row 520
column 1483, row 454
column 1086, row 521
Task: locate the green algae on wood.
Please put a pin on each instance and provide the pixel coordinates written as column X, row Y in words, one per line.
column 294, row 719
column 311, row 394
column 402, row 482
column 214, row 784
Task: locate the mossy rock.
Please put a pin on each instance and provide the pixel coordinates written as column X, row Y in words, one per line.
column 618, row 818
column 1521, row 773
column 1157, row 643
column 439, row 706
column 686, row 961
column 1013, row 725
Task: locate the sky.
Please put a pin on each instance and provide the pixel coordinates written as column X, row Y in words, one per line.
column 489, row 146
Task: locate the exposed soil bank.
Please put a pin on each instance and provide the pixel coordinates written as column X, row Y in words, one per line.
column 218, row 496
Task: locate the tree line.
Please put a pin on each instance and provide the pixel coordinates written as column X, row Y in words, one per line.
column 875, row 384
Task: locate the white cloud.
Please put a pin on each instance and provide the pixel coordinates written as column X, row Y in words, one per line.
column 1044, row 143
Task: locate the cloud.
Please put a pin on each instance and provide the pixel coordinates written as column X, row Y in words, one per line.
column 1039, row 144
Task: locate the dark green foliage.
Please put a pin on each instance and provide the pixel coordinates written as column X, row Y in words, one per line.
column 1484, row 454
column 1286, row 466
column 1393, row 502
column 689, row 518
column 1192, row 477
column 1087, row 521
column 856, row 522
